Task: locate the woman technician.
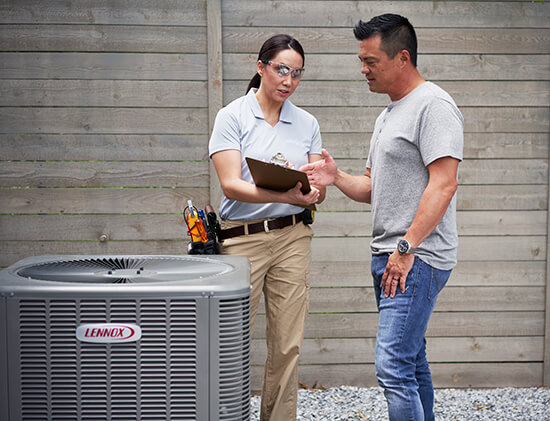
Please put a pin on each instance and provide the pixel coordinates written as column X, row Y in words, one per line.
column 261, row 224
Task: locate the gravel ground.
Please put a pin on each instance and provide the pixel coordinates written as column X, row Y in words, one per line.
column 355, row 403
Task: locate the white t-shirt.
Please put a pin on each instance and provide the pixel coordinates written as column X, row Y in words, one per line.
column 241, row 126
column 408, row 136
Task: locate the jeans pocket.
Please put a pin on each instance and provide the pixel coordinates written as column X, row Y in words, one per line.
column 438, row 280
column 413, row 277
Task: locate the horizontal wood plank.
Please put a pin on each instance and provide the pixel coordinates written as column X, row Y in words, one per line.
column 11, row 252
column 327, row 224
column 104, row 120
column 476, row 145
column 103, row 147
column 456, row 299
column 478, row 171
column 466, row 273
column 487, row 374
column 528, row 197
column 422, row 14
column 501, row 223
column 101, row 200
column 106, row 12
column 465, row 94
column 470, row 197
column 118, row 66
column 33, row 200
column 459, row 375
column 102, row 93
column 104, row 174
column 442, row 324
column 343, row 224
column 506, row 145
column 103, row 38
column 440, row 350
column 335, row 300
column 476, row 120
column 26, row 173
column 351, row 249
column 93, row 227
column 529, row 248
column 430, row 40
column 434, row 67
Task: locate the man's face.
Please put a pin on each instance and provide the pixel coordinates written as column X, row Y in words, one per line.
column 381, row 71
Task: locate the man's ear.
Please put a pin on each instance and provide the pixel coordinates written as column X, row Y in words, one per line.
column 404, row 57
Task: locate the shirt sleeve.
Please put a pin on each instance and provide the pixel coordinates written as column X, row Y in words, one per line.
column 441, row 131
column 316, row 142
column 226, row 133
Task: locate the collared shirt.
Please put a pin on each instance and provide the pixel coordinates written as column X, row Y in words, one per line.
column 241, row 126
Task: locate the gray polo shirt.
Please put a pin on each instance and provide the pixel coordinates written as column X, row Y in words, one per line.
column 241, row 126
column 409, row 135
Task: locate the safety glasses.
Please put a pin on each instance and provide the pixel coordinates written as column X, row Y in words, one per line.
column 283, row 70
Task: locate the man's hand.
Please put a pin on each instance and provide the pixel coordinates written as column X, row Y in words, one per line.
column 397, row 269
column 323, row 172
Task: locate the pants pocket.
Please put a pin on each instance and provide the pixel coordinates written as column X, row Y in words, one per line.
column 438, row 280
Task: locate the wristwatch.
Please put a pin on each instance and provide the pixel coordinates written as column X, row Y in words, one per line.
column 403, row 247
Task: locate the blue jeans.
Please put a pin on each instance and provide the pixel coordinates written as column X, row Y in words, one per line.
column 401, row 365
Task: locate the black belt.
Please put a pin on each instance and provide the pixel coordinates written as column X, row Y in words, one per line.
column 264, row 226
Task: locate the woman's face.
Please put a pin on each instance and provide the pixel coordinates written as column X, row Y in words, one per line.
column 276, row 87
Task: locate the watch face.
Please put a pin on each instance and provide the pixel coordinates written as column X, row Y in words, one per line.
column 403, row 246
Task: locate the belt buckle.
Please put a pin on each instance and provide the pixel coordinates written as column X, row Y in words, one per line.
column 266, row 226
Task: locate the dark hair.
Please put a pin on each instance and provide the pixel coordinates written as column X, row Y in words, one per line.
column 270, row 49
column 396, row 33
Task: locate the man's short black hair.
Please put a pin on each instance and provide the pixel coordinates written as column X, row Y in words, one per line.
column 396, row 33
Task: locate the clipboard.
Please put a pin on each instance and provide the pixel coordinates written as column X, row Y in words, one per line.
column 278, row 178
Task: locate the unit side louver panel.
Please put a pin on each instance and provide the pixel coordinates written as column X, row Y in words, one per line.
column 94, row 364
column 34, row 354
column 65, row 379
column 234, row 359
column 183, row 349
column 63, row 347
column 124, row 373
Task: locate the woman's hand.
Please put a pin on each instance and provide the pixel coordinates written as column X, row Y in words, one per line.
column 296, row 197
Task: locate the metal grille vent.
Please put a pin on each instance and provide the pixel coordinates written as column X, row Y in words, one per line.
column 125, row 270
column 64, row 379
column 234, row 357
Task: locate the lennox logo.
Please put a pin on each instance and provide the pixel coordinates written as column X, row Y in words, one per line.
column 108, row 333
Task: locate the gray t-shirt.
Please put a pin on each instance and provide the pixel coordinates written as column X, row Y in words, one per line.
column 409, row 135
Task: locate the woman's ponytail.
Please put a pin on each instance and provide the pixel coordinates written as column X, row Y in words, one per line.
column 254, row 82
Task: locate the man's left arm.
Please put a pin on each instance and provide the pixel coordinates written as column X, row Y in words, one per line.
column 434, row 202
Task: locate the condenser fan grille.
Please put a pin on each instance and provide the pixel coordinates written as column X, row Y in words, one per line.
column 120, row 270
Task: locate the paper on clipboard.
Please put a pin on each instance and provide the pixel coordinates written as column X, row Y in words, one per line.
column 277, row 177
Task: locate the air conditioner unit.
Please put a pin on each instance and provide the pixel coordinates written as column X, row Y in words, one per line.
column 125, row 338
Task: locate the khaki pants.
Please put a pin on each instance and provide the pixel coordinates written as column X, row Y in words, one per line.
column 280, row 262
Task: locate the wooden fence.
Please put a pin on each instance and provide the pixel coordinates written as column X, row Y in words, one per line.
column 105, row 110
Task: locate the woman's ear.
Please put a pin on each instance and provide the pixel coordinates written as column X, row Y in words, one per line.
column 260, row 68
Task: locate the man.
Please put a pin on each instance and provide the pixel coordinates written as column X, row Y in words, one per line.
column 410, row 180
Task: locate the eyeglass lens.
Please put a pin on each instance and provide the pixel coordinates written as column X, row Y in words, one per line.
column 284, row 70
